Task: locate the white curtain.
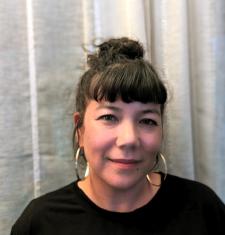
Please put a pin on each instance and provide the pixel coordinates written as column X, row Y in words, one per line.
column 42, row 57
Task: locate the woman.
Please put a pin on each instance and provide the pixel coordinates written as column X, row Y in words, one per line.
column 119, row 130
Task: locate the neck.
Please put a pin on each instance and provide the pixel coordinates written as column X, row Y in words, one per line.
column 118, row 200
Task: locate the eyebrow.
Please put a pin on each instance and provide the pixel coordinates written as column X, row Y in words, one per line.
column 117, row 109
column 105, row 106
column 153, row 110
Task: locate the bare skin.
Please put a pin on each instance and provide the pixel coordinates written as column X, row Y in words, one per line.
column 120, row 201
column 120, row 141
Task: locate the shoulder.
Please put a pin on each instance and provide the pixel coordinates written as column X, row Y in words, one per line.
column 191, row 188
column 60, row 196
column 193, row 203
column 44, row 206
column 195, row 196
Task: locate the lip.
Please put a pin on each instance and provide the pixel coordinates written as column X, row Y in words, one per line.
column 125, row 163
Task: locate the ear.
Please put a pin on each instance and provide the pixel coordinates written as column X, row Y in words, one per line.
column 76, row 118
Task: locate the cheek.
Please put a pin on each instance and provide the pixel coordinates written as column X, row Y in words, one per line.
column 95, row 141
column 153, row 142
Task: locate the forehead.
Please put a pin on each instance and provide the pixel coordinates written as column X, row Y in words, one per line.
column 121, row 106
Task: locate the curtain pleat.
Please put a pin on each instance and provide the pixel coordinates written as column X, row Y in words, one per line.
column 207, row 43
column 170, row 55
column 16, row 185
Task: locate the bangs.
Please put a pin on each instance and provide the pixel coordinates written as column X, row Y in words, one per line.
column 133, row 81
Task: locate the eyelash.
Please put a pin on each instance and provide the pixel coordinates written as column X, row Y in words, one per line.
column 112, row 118
column 108, row 118
column 148, row 122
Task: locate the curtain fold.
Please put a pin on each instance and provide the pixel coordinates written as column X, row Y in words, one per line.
column 207, row 35
column 43, row 55
column 170, row 54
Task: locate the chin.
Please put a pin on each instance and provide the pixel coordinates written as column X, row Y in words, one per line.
column 123, row 182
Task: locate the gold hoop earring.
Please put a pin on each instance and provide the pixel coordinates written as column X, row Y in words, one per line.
column 81, row 164
column 160, row 167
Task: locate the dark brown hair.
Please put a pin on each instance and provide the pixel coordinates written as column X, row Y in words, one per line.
column 118, row 70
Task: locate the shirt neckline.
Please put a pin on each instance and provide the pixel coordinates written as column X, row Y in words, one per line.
column 152, row 204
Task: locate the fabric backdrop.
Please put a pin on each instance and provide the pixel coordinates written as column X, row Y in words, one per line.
column 42, row 56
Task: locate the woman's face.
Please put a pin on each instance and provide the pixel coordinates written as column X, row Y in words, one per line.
column 120, row 141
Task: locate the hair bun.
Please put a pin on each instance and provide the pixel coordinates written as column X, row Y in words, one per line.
column 114, row 51
column 122, row 47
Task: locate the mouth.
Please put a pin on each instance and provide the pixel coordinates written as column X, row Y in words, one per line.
column 125, row 163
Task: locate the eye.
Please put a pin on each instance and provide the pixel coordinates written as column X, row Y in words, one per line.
column 108, row 118
column 148, row 122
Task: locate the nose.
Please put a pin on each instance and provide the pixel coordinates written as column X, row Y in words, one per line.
column 128, row 136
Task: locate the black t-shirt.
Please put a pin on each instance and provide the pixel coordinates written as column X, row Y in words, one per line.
column 180, row 206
